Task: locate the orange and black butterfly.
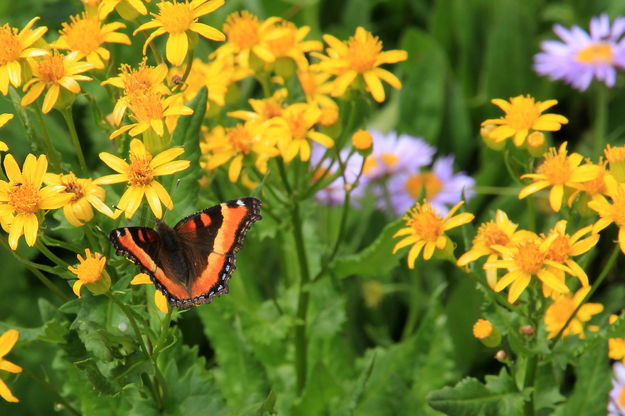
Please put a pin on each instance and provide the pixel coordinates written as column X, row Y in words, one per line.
column 193, row 261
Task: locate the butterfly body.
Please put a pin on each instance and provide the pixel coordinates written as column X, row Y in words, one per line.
column 191, row 262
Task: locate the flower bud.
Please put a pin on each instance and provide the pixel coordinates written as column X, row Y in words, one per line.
column 488, row 140
column 362, row 140
column 486, row 333
column 527, row 330
column 501, row 355
column 536, row 144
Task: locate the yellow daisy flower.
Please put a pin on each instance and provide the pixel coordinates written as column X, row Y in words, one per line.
column 525, row 258
column 265, row 109
column 151, row 111
column 611, row 212
column 57, row 72
column 179, row 20
column 223, row 145
column 523, row 115
column 86, row 195
column 425, row 230
column 589, row 189
column 21, row 198
column 90, row 272
column 318, row 90
column 7, row 341
column 128, row 9
column 292, row 129
column 246, row 36
column 86, row 35
column 559, row 171
column 499, row 232
column 616, row 349
column 14, row 47
column 563, row 307
column 4, row 119
column 140, row 175
column 615, row 155
column 285, row 40
column 159, row 299
column 360, row 57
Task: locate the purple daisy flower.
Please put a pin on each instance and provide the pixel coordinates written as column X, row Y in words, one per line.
column 441, row 187
column 582, row 56
column 616, row 407
column 334, row 193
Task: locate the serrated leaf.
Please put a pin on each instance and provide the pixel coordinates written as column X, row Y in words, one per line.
column 374, row 260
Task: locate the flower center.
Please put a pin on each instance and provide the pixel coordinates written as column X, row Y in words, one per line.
column 73, row 187
column 10, row 45
column 621, row 398
column 51, row 68
column 146, row 107
column 242, row 29
column 490, row 234
column 596, row 54
column 389, row 159
column 241, row 139
column 298, row 125
column 281, row 45
column 522, row 113
column 175, row 17
column 24, row 198
column 83, row 34
column 529, row 257
column 90, row 270
column 363, row 52
column 140, row 172
column 416, row 184
column 556, row 168
column 425, row 222
column 559, row 249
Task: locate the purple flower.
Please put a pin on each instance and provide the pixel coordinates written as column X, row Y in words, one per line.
column 616, row 406
column 441, row 187
column 582, row 56
column 334, row 193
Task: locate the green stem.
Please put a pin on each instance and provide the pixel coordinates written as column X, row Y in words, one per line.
column 606, row 269
column 53, row 155
column 187, row 70
column 50, row 255
column 528, row 382
column 46, row 385
column 69, row 120
column 601, row 119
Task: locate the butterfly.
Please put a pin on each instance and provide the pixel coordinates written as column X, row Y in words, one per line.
column 191, row 262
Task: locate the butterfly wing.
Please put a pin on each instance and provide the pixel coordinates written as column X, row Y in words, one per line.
column 213, row 236
column 142, row 246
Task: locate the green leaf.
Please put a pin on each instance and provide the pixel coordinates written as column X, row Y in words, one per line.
column 374, row 260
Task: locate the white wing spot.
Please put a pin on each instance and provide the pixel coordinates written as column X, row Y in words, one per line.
column 240, row 203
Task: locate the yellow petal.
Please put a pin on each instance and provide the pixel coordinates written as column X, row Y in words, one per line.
column 12, row 169
column 114, row 162
column 153, row 201
column 414, row 253
column 6, row 393
column 176, row 48
column 235, row 168
column 207, row 31
column 375, row 86
column 50, row 99
column 17, row 228
column 76, row 287
column 31, row 226
column 141, row 279
column 161, row 301
column 7, row 341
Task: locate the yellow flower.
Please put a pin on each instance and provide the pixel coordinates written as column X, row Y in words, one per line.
column 611, row 212
column 86, row 35
column 525, row 258
column 563, row 307
column 140, row 174
column 246, row 36
column 85, row 195
column 14, row 47
column 362, row 140
column 616, row 158
column 128, row 9
column 265, row 109
column 7, row 341
column 317, row 91
column 592, row 187
column 360, row 56
column 151, row 111
column 523, row 115
column 223, row 145
column 90, row 272
column 616, row 349
column 58, row 73
column 136, row 82
column 559, row 170
column 287, row 41
column 4, row 119
column 425, row 230
column 159, row 299
column 499, row 232
column 21, row 197
column 486, row 333
column 292, row 129
column 179, row 20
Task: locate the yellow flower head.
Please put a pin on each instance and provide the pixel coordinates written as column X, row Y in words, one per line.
column 486, row 333
column 362, row 140
column 525, row 258
column 223, row 145
column 14, row 47
column 265, row 109
column 317, row 90
column 86, row 35
column 152, row 111
column 246, row 36
column 425, row 230
column 563, row 307
column 21, row 198
column 611, row 212
column 59, row 74
column 559, row 171
column 294, row 127
column 128, row 9
column 4, row 119
column 7, row 341
column 90, row 272
column 360, row 56
column 616, row 349
column 86, row 195
column 615, row 155
column 179, row 20
column 285, row 40
column 140, row 174
column 523, row 116
column 159, row 299
column 492, row 233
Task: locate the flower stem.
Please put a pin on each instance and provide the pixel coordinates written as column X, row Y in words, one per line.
column 69, row 120
column 53, row 155
column 528, row 382
column 187, row 69
column 50, row 255
column 600, row 123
